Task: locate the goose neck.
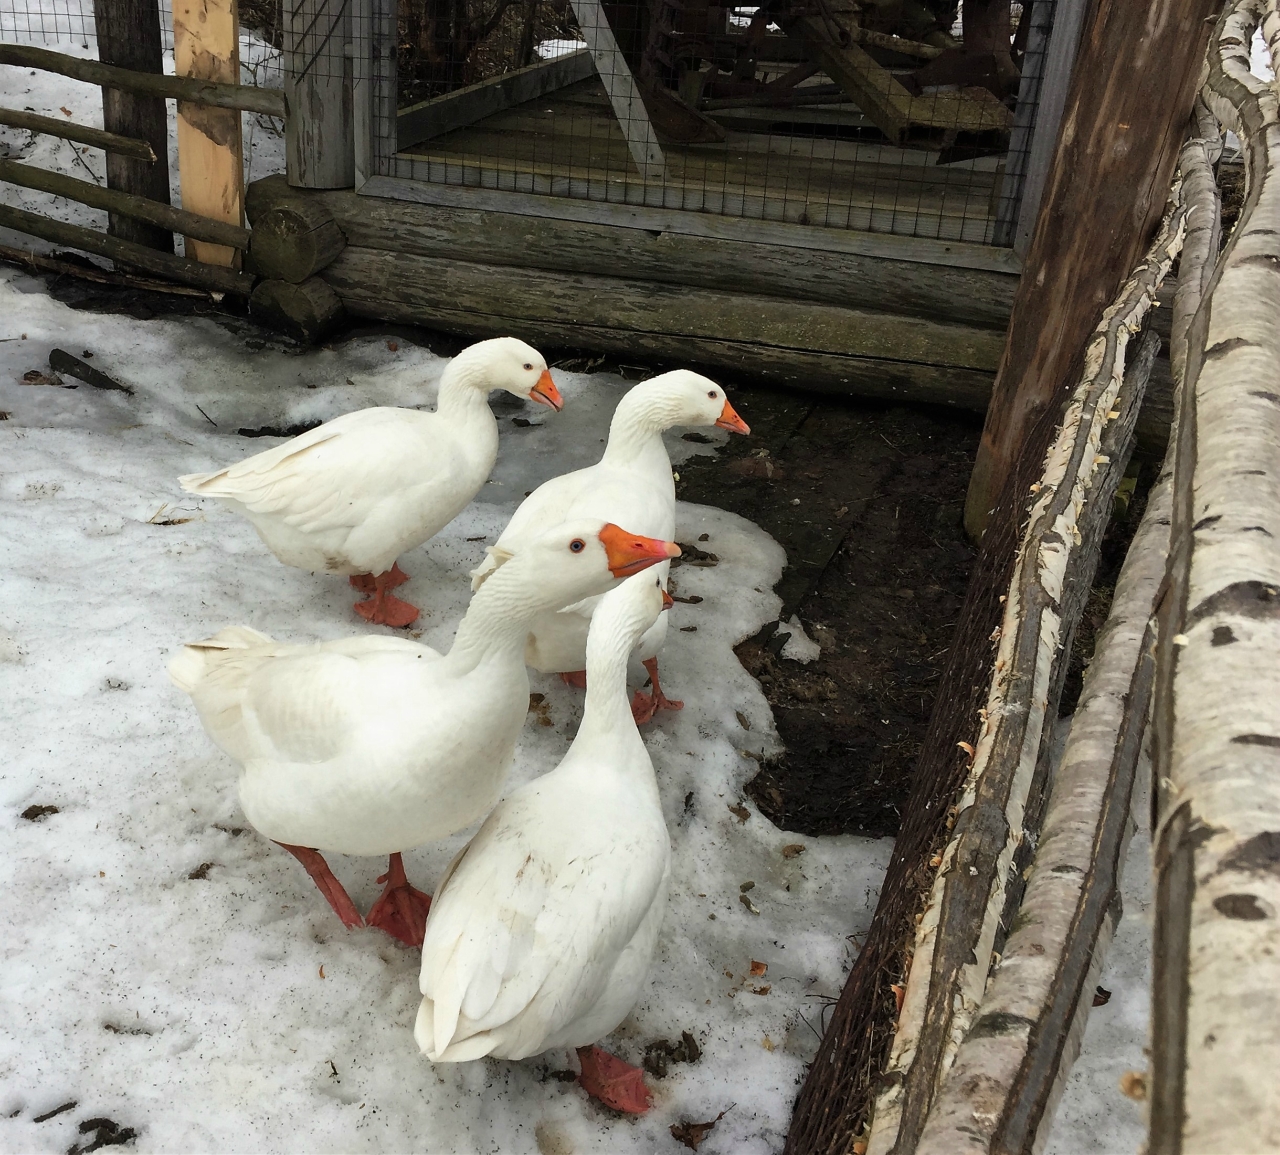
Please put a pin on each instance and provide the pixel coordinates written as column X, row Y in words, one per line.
column 500, row 615
column 636, row 431
column 464, row 389
column 607, row 711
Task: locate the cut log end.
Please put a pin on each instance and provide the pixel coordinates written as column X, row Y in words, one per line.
column 294, row 240
column 305, row 312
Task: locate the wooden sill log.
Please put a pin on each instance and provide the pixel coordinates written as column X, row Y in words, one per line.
column 294, row 234
column 1009, row 1072
column 306, row 312
column 1216, row 982
column 127, row 252
column 124, row 204
column 1001, row 800
column 81, row 133
column 267, row 101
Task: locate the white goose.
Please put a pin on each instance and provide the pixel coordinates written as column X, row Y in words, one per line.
column 543, row 928
column 632, row 485
column 353, row 494
column 375, row 744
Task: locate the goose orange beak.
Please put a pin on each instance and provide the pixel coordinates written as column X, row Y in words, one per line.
column 629, row 553
column 667, row 600
column 729, row 420
column 546, row 393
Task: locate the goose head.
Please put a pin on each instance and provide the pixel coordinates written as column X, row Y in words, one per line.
column 682, row 397
column 578, row 559
column 507, row 363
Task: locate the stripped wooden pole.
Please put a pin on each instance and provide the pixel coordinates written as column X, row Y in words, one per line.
column 1216, row 982
column 168, row 265
column 267, row 101
column 80, row 133
column 206, row 46
column 1010, row 1070
column 129, row 36
column 123, row 204
column 959, row 930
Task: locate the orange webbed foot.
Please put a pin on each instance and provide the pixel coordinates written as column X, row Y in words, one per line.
column 616, row 1084
column 402, row 909
column 576, row 678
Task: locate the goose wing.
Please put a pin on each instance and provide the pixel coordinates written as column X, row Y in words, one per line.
column 521, row 938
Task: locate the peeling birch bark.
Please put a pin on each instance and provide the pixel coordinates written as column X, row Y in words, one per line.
column 1002, row 1089
column 958, row 933
column 1216, row 985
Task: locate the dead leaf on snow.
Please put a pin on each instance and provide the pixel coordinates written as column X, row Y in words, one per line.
column 692, row 1134
column 758, row 968
column 741, row 811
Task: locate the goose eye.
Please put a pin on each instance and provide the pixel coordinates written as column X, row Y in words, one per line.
column 528, row 366
column 712, row 394
column 577, row 545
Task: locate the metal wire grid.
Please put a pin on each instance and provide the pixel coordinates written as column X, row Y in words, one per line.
column 70, row 23
column 820, row 160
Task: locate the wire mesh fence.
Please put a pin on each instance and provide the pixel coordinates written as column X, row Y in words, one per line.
column 69, row 24
column 890, row 118
column 819, row 112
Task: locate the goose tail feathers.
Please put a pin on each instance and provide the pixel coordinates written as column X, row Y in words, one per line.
column 190, row 665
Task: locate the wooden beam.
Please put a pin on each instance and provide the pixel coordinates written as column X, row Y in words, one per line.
column 129, row 36
column 127, row 252
column 431, row 284
column 267, row 101
column 82, row 134
column 305, row 311
column 432, row 118
column 161, row 216
column 918, row 250
column 884, row 101
column 206, row 46
column 39, row 263
column 624, row 95
column 319, row 133
column 774, row 265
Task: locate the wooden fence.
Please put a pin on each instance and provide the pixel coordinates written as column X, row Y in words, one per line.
column 1000, row 974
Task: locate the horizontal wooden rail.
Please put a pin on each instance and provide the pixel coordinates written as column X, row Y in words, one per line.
column 268, row 101
column 125, row 204
column 80, row 133
column 127, row 252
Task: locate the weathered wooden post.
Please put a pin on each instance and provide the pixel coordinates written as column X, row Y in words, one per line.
column 206, row 46
column 319, row 137
column 129, row 35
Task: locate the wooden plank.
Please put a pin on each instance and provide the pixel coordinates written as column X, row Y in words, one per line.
column 362, row 91
column 1119, row 140
column 624, row 96
column 917, row 250
column 828, row 275
column 430, row 283
column 319, row 132
column 125, row 204
column 127, row 252
column 1059, row 63
column 206, row 46
column 875, row 90
column 129, row 36
column 432, row 118
column 958, row 218
column 267, row 101
column 81, row 133
column 901, row 381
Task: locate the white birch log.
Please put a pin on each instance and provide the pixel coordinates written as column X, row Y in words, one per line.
column 1216, row 983
column 958, row 931
column 1004, row 1085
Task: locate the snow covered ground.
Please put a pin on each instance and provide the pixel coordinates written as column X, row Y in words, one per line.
column 169, row 970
